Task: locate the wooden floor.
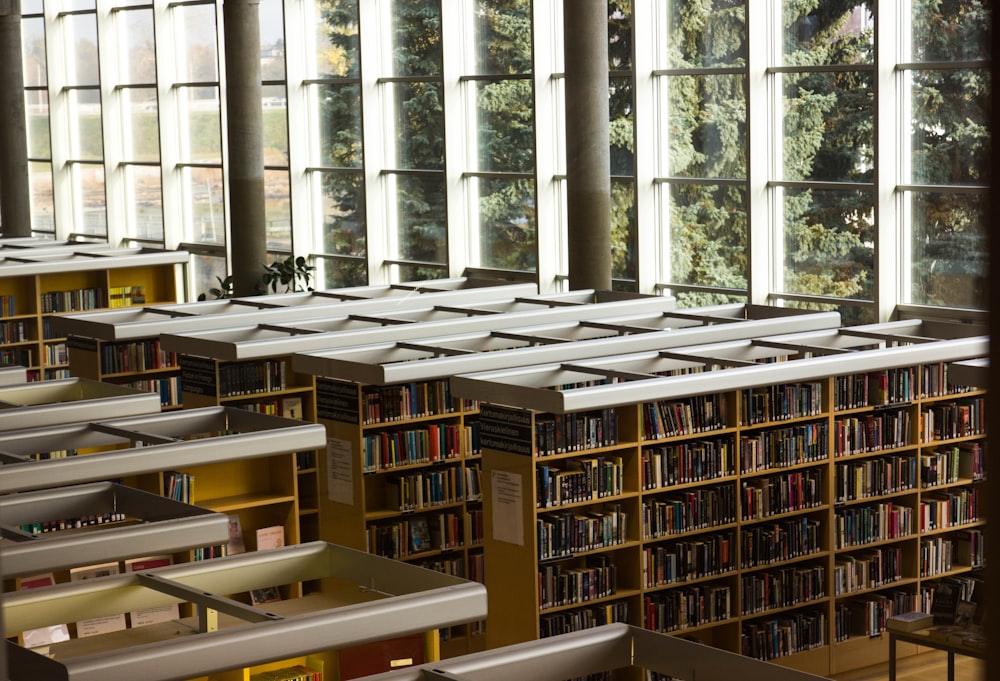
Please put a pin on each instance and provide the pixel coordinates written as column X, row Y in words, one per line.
column 932, row 666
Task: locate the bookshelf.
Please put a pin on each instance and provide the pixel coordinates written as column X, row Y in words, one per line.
column 64, row 400
column 124, row 346
column 394, row 429
column 709, row 472
column 624, row 650
column 229, row 461
column 367, row 599
column 65, row 527
column 37, row 285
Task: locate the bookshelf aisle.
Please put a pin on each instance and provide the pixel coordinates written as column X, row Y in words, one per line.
column 719, row 461
column 38, row 286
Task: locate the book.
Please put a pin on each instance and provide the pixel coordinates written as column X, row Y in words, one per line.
column 267, row 594
column 945, row 601
column 964, row 613
column 420, row 534
column 147, row 616
column 270, row 537
column 235, row 544
column 43, row 636
column 910, row 621
column 97, row 625
column 291, row 407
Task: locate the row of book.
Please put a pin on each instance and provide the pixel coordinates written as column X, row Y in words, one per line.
column 427, row 488
column 560, row 584
column 69, row 301
column 141, row 355
column 560, row 433
column 391, row 449
column 765, row 404
column 586, row 617
column 868, row 616
column 793, row 633
column 168, row 388
column 586, row 480
column 861, row 525
column 782, row 447
column 670, row 418
column 24, row 357
column 687, row 462
column 868, row 569
column 682, row 560
column 953, row 419
column 949, row 509
column 47, row 526
column 56, row 353
column 13, row 332
column 565, row 534
column 781, row 493
column 382, row 404
column 769, row 590
column 884, row 429
column 685, row 607
column 425, row 532
column 774, row 542
column 675, row 513
column 874, row 477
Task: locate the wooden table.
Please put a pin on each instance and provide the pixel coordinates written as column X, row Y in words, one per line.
column 924, row 637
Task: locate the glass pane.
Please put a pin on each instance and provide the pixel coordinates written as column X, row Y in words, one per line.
column 337, row 53
column 341, row 273
column 42, row 201
column 707, row 34
column 950, row 137
column 851, row 314
column 829, row 122
column 85, row 125
column 146, row 202
column 949, row 257
column 33, row 52
column 708, row 238
column 343, row 205
column 508, row 233
column 88, row 184
column 950, row 30
column 32, row 6
column 419, row 273
column 619, row 35
column 277, row 210
column 623, row 229
column 416, row 26
column 272, row 40
column 828, row 32
column 338, row 110
column 141, row 125
column 206, row 272
column 36, row 104
column 621, row 133
column 275, row 104
column 707, row 124
column 506, row 126
column 419, row 125
column 201, row 129
column 503, row 37
column 421, row 217
column 81, row 58
column 197, row 51
column 202, row 188
column 829, row 243
column 136, row 37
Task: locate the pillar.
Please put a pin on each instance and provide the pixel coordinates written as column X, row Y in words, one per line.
column 588, row 145
column 245, row 121
column 15, row 194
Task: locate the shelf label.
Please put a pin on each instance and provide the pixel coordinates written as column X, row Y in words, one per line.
column 507, row 490
column 197, row 375
column 507, row 430
column 337, row 401
column 339, row 471
column 80, row 343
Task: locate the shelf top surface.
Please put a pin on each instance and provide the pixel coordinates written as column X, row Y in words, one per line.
column 44, row 262
column 617, row 380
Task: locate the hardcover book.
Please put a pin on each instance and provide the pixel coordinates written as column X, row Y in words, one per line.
column 97, row 625
column 910, row 621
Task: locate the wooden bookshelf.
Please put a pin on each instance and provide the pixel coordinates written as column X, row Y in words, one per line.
column 367, row 599
column 718, row 490
column 393, row 428
column 38, row 285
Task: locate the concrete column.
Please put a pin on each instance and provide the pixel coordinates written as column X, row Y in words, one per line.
column 588, row 150
column 245, row 120
column 15, row 194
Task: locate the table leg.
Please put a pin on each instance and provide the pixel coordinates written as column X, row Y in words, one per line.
column 951, row 666
column 892, row 658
